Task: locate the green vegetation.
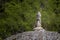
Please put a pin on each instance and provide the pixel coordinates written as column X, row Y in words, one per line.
column 17, row 16
column 51, row 15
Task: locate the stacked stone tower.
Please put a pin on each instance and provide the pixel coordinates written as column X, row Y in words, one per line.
column 38, row 22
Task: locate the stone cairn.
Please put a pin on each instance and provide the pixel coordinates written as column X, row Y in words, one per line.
column 38, row 34
column 38, row 22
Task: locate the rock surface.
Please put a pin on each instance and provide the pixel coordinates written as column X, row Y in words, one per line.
column 35, row 35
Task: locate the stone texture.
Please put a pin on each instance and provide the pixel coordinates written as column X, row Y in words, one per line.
column 35, row 35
